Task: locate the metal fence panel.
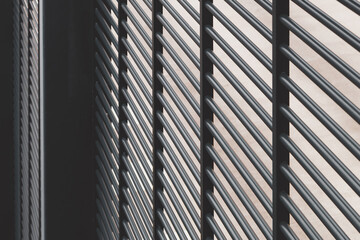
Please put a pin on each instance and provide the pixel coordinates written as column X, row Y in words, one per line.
column 212, row 119
column 203, row 120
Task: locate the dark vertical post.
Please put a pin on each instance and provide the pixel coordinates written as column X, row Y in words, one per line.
column 122, row 116
column 7, row 212
column 206, row 115
column 280, row 123
column 16, row 80
column 67, row 67
column 157, row 68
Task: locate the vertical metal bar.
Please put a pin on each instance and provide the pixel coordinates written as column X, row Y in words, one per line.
column 7, row 221
column 206, row 115
column 280, row 123
column 122, row 116
column 67, row 68
column 157, row 68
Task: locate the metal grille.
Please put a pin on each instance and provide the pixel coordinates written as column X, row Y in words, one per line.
column 27, row 118
column 227, row 119
column 237, row 95
column 324, row 153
